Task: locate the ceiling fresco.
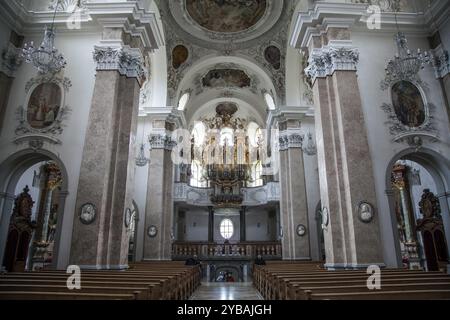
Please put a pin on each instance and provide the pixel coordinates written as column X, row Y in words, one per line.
column 226, row 16
column 225, row 78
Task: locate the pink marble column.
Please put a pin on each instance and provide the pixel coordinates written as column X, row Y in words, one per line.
column 293, row 201
column 345, row 163
column 160, row 206
column 107, row 169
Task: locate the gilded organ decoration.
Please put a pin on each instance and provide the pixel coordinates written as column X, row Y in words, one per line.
column 223, row 157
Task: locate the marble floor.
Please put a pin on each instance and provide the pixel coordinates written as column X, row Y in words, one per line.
column 226, row 291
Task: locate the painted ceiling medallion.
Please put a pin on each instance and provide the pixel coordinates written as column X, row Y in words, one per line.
column 226, row 78
column 226, row 16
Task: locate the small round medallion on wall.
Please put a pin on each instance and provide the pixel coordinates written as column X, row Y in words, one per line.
column 87, row 213
column 366, row 212
column 152, row 231
column 301, row 230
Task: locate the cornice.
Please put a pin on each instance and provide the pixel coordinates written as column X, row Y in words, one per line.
column 94, row 17
column 355, row 16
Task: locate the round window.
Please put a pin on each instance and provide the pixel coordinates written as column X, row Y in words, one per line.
column 226, row 229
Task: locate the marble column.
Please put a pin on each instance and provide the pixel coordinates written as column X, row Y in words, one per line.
column 181, row 226
column 243, row 224
column 345, row 163
column 293, row 201
column 211, row 225
column 160, row 206
column 108, row 163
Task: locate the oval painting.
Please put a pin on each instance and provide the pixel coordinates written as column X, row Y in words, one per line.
column 180, row 54
column 44, row 105
column 273, row 56
column 226, row 15
column 408, row 104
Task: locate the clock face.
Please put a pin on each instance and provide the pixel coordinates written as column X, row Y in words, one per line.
column 365, row 212
column 87, row 213
column 301, row 230
column 385, row 4
column 152, row 231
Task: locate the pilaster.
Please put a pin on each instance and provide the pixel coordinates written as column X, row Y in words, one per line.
column 293, row 200
column 160, row 207
column 107, row 169
column 346, row 180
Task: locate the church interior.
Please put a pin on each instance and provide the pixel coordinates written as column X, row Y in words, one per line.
column 224, row 149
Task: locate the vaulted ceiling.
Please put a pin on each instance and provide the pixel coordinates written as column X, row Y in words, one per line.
column 226, row 49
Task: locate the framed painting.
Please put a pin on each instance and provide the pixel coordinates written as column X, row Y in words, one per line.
column 44, row 110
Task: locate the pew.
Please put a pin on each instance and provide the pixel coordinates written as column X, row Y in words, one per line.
column 310, row 281
column 142, row 281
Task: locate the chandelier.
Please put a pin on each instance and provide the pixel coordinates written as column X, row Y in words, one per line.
column 141, row 159
column 46, row 57
column 406, row 64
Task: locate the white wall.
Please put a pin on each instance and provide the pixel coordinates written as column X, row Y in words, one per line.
column 197, row 225
column 375, row 50
column 80, row 69
column 257, row 224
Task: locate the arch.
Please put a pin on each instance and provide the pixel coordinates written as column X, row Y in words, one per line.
column 11, row 170
column 207, row 107
column 245, row 63
column 134, row 230
column 439, row 168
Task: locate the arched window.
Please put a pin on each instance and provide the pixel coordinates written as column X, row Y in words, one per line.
column 183, row 101
column 257, row 171
column 227, row 134
column 254, row 134
column 197, row 179
column 199, row 133
column 270, row 101
column 226, row 229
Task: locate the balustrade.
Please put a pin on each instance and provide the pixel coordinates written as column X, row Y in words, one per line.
column 242, row 250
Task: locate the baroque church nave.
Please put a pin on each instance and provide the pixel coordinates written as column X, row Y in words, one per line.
column 224, row 133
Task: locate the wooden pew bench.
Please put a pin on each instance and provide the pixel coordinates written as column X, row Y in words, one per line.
column 46, row 295
column 387, row 295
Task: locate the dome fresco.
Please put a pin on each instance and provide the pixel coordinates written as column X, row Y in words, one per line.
column 226, row 16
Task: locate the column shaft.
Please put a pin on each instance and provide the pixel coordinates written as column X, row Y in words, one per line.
column 159, row 210
column 211, row 225
column 243, row 225
column 5, row 88
column 107, row 172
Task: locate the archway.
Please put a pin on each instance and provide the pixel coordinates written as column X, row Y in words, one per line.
column 11, row 171
column 411, row 177
column 132, row 221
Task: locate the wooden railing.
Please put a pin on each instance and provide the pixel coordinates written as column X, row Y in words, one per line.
column 242, row 250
